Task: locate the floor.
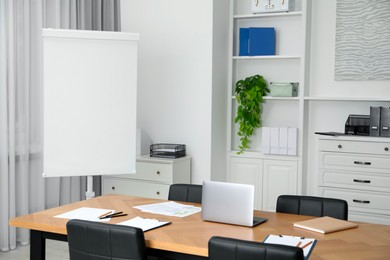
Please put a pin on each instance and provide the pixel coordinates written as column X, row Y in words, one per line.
column 55, row 250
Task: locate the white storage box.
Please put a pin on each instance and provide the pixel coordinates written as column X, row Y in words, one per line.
column 268, row 6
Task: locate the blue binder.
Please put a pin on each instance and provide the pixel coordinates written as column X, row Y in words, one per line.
column 244, row 41
column 261, row 41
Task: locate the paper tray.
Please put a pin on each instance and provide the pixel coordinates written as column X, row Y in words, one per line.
column 167, row 150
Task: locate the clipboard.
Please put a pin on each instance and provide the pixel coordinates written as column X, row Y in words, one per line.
column 307, row 244
column 145, row 224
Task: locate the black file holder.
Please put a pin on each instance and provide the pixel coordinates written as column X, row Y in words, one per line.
column 385, row 121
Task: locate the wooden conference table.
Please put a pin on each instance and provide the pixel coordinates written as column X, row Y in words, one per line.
column 190, row 235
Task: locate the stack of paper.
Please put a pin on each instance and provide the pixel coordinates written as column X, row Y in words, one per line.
column 86, row 213
column 169, row 209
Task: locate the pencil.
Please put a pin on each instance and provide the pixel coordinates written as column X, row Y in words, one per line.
column 308, row 243
column 299, row 243
column 105, row 214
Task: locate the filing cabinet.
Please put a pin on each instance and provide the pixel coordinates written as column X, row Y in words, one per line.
column 357, row 169
column 152, row 179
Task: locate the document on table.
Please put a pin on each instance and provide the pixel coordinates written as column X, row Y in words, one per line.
column 307, row 244
column 86, row 213
column 170, row 208
column 144, row 223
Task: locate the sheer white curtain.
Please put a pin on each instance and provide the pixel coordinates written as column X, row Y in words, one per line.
column 22, row 188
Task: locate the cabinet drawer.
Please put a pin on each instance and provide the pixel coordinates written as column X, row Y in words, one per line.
column 157, row 172
column 355, row 180
column 355, row 147
column 371, row 202
column 369, row 218
column 154, row 172
column 135, row 188
column 357, row 162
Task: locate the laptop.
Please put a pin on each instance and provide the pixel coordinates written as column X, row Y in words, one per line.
column 230, row 203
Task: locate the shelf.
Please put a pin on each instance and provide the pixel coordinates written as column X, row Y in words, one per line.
column 260, row 155
column 264, row 15
column 355, row 99
column 276, row 98
column 269, row 57
column 282, row 98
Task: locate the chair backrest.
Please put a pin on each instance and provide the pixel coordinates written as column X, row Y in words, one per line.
column 95, row 240
column 312, row 206
column 185, row 192
column 236, row 249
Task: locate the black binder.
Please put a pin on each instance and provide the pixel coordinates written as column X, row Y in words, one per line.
column 385, row 121
column 375, row 121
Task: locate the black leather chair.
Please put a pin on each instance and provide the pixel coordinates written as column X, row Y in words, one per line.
column 236, row 249
column 185, row 192
column 312, row 206
column 94, row 240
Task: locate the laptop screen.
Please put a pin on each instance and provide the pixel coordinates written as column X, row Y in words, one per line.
column 230, row 203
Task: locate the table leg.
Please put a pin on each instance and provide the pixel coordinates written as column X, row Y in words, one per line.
column 37, row 245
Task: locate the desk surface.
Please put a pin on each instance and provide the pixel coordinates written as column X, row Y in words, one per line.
column 191, row 235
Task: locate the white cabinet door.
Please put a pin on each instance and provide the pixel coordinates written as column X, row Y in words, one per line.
column 279, row 177
column 248, row 171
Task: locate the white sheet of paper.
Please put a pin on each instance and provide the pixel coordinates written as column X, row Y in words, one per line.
column 290, row 241
column 86, row 213
column 144, row 223
column 170, row 208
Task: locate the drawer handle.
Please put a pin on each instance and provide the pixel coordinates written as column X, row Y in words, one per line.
column 386, row 149
column 362, row 163
column 158, row 193
column 361, row 181
column 340, row 146
column 113, row 187
column 362, row 201
column 158, row 172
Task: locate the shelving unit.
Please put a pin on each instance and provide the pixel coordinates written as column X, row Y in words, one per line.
column 302, row 55
column 271, row 174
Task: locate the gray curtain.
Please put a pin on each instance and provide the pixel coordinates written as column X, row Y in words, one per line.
column 23, row 190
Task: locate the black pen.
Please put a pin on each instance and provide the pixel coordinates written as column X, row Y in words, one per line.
column 114, row 216
column 111, row 215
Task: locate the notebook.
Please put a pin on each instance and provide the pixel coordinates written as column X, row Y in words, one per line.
column 325, row 225
column 229, row 203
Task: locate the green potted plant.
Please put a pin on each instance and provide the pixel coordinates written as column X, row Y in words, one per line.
column 249, row 94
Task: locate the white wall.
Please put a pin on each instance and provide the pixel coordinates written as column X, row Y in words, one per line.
column 331, row 115
column 175, row 74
